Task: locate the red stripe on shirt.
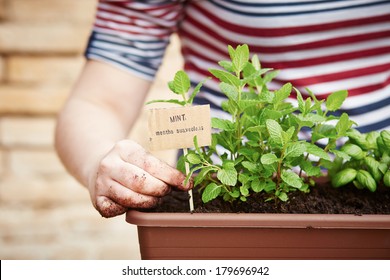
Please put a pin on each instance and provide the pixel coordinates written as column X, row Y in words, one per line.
column 277, row 48
column 325, row 59
column 277, row 32
column 336, row 76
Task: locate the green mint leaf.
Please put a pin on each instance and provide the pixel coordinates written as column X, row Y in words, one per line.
column 225, row 125
column 257, row 185
column 365, row 179
column 316, row 151
column 287, row 135
column 308, row 104
column 385, row 158
column 269, row 170
column 246, row 152
column 196, row 91
column 292, row 179
column 240, row 58
column 385, row 135
column 203, row 173
column 244, row 190
column 315, row 118
column 335, row 100
column 294, row 150
column 317, row 103
column 228, row 174
column 235, row 193
column 227, row 65
column 358, row 138
column 383, row 167
column 270, row 186
column 189, row 176
column 341, row 154
column 290, row 133
column 344, row 177
column 275, row 131
column 193, row 159
column 283, row 196
column 232, row 52
column 303, row 120
column 301, row 102
column 180, row 164
column 249, row 74
column 253, row 76
column 225, row 77
column 371, row 138
column 270, row 76
column 256, row 62
column 259, row 129
column 282, row 93
column 343, row 125
column 374, row 167
column 211, row 192
column 266, row 97
column 268, row 159
column 271, row 114
column 229, row 90
column 197, row 148
column 252, row 167
column 310, row 169
column 171, row 86
column 181, row 83
column 324, row 131
column 243, row 178
column 245, row 104
column 354, row 151
column 382, row 148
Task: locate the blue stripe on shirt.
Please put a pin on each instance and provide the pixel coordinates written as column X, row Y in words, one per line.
column 270, row 14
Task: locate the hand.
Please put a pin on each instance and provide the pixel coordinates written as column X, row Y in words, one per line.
column 129, row 177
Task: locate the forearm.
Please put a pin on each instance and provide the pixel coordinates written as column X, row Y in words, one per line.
column 85, row 133
column 103, row 106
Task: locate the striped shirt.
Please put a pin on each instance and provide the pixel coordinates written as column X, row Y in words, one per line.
column 323, row 45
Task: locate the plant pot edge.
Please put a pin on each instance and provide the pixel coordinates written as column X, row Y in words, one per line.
column 267, row 236
column 258, row 220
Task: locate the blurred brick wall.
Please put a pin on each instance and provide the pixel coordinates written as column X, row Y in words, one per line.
column 44, row 213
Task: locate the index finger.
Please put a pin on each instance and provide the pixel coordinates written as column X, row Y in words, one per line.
column 161, row 170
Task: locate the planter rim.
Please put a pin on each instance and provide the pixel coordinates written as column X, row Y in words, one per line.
column 252, row 220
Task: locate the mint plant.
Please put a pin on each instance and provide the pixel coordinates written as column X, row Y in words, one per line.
column 368, row 164
column 181, row 85
column 260, row 148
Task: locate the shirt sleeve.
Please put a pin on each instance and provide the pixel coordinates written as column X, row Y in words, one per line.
column 133, row 35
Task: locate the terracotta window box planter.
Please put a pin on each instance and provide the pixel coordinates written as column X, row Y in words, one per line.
column 261, row 236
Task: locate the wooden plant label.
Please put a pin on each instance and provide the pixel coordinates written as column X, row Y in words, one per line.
column 175, row 128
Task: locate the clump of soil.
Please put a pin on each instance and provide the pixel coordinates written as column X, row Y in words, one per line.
column 322, row 199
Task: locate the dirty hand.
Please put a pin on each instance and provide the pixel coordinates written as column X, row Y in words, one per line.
column 129, row 177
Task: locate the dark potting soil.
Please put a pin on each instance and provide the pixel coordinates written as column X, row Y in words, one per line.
column 322, row 199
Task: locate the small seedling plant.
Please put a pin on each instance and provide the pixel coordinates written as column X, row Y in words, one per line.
column 260, row 148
